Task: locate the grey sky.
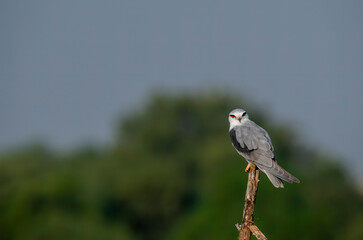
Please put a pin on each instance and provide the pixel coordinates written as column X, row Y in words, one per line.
column 69, row 68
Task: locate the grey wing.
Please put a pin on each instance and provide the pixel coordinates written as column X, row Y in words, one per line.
column 258, row 142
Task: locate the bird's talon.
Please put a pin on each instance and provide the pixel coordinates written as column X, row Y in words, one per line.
column 248, row 168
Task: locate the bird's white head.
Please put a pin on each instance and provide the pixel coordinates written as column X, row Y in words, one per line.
column 237, row 117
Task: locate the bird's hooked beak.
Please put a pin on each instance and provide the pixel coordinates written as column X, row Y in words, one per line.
column 239, row 118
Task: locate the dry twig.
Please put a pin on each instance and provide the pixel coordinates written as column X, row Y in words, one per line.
column 247, row 220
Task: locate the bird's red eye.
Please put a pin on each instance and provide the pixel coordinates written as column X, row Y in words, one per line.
column 244, row 114
column 232, row 116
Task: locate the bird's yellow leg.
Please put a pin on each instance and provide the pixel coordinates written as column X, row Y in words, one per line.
column 248, row 167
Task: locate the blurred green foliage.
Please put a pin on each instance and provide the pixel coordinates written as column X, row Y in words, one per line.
column 173, row 174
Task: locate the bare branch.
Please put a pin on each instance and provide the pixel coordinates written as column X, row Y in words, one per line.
column 258, row 234
column 247, row 220
column 238, row 226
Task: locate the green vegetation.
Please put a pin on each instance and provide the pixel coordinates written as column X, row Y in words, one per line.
column 173, row 174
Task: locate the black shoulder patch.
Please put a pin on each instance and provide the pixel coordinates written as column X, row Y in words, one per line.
column 236, row 144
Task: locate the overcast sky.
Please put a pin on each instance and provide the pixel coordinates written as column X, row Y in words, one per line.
column 69, row 68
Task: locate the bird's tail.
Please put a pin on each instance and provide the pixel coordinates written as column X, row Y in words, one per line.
column 277, row 182
column 276, row 174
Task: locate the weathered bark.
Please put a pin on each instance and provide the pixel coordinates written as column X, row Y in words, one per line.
column 247, row 220
column 258, row 234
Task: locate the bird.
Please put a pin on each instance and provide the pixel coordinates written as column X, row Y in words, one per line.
column 254, row 144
